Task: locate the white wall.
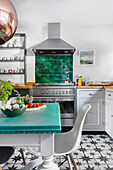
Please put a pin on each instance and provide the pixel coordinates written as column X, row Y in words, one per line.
column 85, row 24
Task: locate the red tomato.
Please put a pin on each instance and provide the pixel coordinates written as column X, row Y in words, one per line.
column 27, row 105
column 40, row 104
column 12, row 109
column 34, row 105
column 30, row 105
column 37, row 105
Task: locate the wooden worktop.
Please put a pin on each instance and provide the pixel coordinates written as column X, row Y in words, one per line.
column 21, row 87
column 78, row 87
column 90, row 87
column 28, row 84
column 94, row 87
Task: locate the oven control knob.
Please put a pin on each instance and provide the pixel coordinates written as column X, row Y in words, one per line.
column 53, row 92
column 69, row 92
column 56, row 92
column 63, row 92
column 66, row 92
column 42, row 92
column 59, row 92
column 47, row 92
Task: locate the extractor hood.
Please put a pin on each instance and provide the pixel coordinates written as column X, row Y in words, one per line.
column 54, row 42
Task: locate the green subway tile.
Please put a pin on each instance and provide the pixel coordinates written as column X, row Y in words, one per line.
column 57, row 75
column 60, row 69
column 56, row 66
column 65, row 66
column 69, row 65
column 38, row 81
column 51, row 60
column 39, row 66
column 47, row 75
column 61, row 66
column 61, row 81
column 47, row 63
column 56, row 78
column 38, row 75
column 51, row 71
column 38, row 72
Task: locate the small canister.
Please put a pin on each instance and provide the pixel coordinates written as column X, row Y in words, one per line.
column 2, row 70
column 66, row 81
column 17, row 70
column 12, row 58
column 3, row 58
column 11, row 70
column 8, row 58
column 16, row 58
column 6, row 71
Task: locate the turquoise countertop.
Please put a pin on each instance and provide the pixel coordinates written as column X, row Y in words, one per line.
column 46, row 120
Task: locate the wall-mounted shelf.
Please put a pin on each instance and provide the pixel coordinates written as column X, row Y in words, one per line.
column 18, row 42
column 12, row 60
column 12, row 73
column 2, row 48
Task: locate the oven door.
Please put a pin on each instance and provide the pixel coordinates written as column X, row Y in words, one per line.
column 67, row 108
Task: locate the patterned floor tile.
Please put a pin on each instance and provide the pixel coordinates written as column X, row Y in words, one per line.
column 104, row 167
column 95, row 153
column 89, row 167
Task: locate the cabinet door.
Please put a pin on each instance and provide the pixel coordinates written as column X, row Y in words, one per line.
column 93, row 121
column 109, row 113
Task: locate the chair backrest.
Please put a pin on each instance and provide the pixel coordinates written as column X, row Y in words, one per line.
column 78, row 126
column 69, row 141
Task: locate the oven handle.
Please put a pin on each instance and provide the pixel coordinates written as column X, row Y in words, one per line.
column 53, row 99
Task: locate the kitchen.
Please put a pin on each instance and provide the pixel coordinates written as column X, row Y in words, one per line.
column 87, row 26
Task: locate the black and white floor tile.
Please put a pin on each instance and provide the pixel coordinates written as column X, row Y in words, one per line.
column 95, row 153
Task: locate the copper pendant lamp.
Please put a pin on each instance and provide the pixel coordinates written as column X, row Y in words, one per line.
column 8, row 21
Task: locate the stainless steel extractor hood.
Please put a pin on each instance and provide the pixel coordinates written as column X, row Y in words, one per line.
column 54, row 42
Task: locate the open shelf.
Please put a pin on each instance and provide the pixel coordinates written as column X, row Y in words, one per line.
column 9, row 50
column 12, row 73
column 11, row 60
column 2, row 48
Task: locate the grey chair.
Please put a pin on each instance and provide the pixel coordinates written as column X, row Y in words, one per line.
column 67, row 143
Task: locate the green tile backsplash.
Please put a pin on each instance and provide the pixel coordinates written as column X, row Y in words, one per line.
column 53, row 69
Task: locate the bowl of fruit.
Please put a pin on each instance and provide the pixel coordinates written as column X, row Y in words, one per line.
column 15, row 107
column 13, row 111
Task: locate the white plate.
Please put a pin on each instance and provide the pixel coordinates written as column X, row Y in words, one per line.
column 36, row 108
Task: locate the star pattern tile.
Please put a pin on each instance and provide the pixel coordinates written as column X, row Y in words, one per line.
column 95, row 153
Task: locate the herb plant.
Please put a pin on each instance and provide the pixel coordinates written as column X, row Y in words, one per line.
column 6, row 90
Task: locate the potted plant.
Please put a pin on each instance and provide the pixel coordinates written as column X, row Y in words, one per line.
column 6, row 90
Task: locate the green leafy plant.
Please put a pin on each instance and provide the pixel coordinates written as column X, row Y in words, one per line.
column 6, row 90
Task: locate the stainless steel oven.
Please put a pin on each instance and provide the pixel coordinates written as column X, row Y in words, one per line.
column 64, row 95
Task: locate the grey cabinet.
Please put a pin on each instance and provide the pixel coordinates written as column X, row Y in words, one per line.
column 109, row 112
column 96, row 116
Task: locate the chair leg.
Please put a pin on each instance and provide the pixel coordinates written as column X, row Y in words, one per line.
column 69, row 162
column 22, row 154
column 73, row 161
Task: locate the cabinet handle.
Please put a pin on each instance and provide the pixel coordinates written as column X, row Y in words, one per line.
column 109, row 94
column 90, row 94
